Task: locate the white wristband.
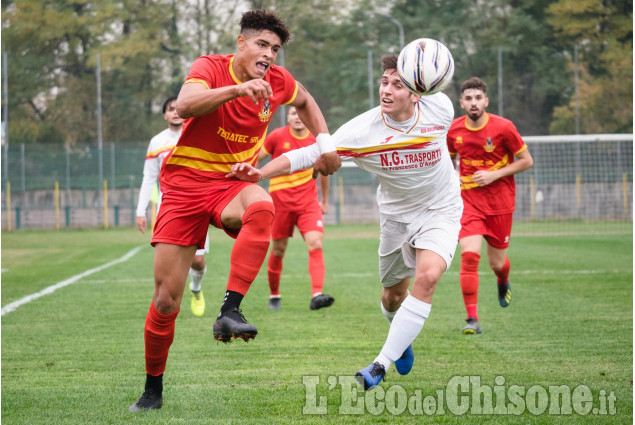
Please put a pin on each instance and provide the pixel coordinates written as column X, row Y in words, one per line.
column 325, row 142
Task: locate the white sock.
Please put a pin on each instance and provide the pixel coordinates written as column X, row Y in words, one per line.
column 389, row 314
column 197, row 277
column 404, row 328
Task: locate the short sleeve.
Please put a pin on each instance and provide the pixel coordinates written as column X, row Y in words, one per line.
column 514, row 142
column 203, row 71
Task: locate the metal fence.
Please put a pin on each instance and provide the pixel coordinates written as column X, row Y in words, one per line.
column 575, row 179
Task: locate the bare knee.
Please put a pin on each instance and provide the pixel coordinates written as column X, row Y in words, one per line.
column 392, row 298
column 165, row 299
column 198, row 263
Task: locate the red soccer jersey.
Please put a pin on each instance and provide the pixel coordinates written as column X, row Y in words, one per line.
column 489, row 147
column 299, row 189
column 210, row 144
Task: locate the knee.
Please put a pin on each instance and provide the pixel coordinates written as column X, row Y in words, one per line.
column 496, row 264
column 469, row 261
column 258, row 218
column 166, row 301
column 314, row 244
column 392, row 299
column 198, row 263
column 277, row 252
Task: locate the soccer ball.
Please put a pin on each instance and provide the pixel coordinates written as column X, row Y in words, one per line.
column 425, row 66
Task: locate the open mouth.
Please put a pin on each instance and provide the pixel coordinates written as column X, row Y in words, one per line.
column 262, row 66
column 386, row 100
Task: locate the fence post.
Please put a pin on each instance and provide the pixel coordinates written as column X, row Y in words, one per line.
column 8, row 205
column 132, row 203
column 106, row 203
column 17, row 218
column 116, row 215
column 57, row 205
column 67, row 209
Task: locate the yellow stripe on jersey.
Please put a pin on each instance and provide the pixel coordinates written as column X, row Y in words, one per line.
column 370, row 149
column 200, row 159
column 468, row 183
column 154, row 154
column 293, row 180
column 196, row 80
column 295, row 92
column 521, row 149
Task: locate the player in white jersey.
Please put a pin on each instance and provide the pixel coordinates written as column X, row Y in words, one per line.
column 160, row 146
column 403, row 143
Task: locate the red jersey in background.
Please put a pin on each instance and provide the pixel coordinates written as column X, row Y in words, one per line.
column 295, row 191
column 489, row 147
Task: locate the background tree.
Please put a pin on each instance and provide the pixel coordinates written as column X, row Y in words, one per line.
column 603, row 31
column 147, row 46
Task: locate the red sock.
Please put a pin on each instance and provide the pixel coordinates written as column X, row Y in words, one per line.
column 274, row 270
column 503, row 274
column 316, row 270
column 158, row 336
column 469, row 282
column 250, row 248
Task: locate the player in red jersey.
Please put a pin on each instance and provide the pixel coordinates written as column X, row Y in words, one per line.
column 227, row 102
column 295, row 198
column 490, row 152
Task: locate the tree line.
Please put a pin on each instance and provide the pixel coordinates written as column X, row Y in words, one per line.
column 146, row 46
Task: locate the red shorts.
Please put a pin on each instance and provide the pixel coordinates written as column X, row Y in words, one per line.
column 496, row 229
column 184, row 217
column 310, row 219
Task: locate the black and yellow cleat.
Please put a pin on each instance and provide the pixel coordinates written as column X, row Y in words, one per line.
column 505, row 294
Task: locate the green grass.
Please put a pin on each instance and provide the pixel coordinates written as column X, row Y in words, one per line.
column 76, row 356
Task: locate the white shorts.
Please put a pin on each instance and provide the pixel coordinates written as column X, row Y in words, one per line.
column 204, row 250
column 435, row 230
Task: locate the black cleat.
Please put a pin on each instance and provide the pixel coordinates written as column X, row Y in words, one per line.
column 149, row 400
column 321, row 300
column 274, row 303
column 232, row 324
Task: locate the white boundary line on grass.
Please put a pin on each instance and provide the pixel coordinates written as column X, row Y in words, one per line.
column 49, row 290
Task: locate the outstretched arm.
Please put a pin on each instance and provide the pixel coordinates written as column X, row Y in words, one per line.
column 286, row 163
column 311, row 115
column 247, row 172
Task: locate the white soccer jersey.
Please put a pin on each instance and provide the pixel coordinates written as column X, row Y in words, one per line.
column 160, row 146
column 410, row 159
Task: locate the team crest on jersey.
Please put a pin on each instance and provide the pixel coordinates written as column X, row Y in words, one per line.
column 459, row 139
column 286, row 145
column 265, row 112
column 489, row 146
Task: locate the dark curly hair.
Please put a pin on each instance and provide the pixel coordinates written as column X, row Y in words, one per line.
column 474, row 83
column 260, row 20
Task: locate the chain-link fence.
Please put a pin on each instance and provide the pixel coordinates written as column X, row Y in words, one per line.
column 581, row 182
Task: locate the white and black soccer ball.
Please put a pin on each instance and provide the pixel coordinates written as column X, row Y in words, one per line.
column 425, row 66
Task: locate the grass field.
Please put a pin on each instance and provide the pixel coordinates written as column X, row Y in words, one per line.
column 75, row 356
